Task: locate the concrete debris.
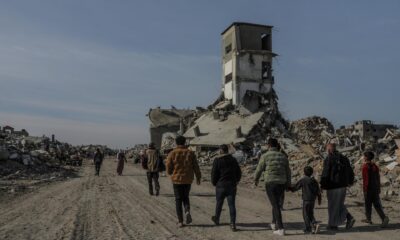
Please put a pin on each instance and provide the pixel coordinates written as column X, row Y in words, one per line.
column 38, row 158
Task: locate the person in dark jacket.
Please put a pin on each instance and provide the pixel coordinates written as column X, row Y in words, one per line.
column 372, row 189
column 310, row 192
column 337, row 175
column 98, row 160
column 225, row 175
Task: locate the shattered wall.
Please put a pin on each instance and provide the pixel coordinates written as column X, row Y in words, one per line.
column 167, row 120
column 246, row 60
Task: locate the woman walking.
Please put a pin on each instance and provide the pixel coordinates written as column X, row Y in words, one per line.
column 121, row 161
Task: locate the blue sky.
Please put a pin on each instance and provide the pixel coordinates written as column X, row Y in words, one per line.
column 88, row 71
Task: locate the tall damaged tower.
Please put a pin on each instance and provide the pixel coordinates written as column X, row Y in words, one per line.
column 246, row 60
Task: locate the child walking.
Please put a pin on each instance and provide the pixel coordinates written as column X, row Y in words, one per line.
column 310, row 192
column 372, row 189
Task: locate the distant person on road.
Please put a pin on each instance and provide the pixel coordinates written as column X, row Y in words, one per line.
column 182, row 166
column 277, row 176
column 336, row 176
column 154, row 161
column 225, row 175
column 310, row 192
column 98, row 160
column 121, row 162
column 372, row 189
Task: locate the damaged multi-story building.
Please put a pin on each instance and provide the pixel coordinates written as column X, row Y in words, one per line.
column 366, row 129
column 247, row 109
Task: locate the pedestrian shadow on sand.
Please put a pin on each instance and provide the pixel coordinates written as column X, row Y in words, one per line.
column 373, row 228
column 211, row 225
column 256, row 227
column 191, row 195
column 133, row 175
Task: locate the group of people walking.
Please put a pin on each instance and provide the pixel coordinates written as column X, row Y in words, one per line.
column 273, row 166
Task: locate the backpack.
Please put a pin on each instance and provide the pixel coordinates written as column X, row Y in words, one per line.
column 160, row 163
column 144, row 162
column 342, row 172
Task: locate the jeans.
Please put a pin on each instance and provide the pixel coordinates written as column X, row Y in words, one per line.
column 181, row 192
column 308, row 214
column 228, row 192
column 274, row 193
column 372, row 198
column 153, row 177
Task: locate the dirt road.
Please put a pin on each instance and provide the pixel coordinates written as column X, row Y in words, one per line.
column 119, row 207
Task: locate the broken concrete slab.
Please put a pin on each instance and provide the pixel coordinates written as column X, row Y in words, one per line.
column 214, row 133
column 392, row 165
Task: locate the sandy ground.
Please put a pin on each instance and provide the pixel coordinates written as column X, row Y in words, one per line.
column 119, row 207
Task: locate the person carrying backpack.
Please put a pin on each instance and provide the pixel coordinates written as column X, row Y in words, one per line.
column 337, row 175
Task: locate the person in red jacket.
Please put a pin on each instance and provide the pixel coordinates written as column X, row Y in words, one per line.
column 372, row 189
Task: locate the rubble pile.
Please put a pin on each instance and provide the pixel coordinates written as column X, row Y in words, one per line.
column 135, row 152
column 314, row 130
column 311, row 135
column 38, row 159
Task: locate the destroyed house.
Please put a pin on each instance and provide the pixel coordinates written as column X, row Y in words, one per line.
column 366, row 129
column 8, row 129
column 21, row 133
column 246, row 60
column 167, row 121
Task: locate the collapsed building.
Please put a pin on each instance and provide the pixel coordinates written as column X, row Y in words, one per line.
column 247, row 109
column 167, row 121
column 366, row 129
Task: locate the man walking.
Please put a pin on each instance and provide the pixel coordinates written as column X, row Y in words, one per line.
column 98, row 160
column 153, row 168
column 277, row 176
column 182, row 165
column 336, row 176
column 225, row 175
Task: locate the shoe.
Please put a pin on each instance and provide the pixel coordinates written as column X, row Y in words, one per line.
column 157, row 192
column 273, row 226
column 215, row 221
column 350, row 223
column 233, row 227
column 180, row 225
column 307, row 231
column 280, row 232
column 188, row 218
column 385, row 222
column 315, row 229
column 151, row 193
column 366, row 221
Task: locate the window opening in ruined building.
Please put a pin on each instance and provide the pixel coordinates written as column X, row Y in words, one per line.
column 228, row 78
column 228, row 49
column 266, row 42
column 265, row 70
